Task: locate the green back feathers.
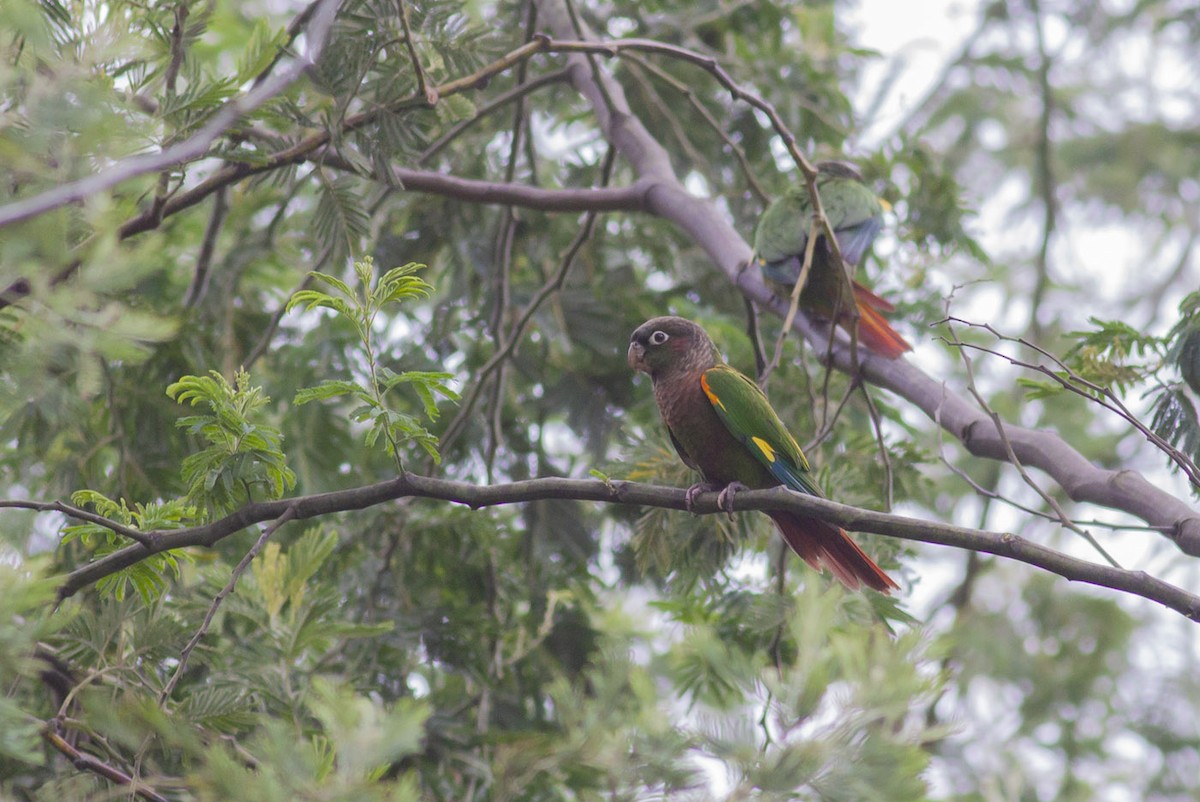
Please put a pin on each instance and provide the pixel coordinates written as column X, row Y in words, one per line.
column 850, row 205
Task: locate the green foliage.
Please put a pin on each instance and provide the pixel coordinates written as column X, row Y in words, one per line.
column 1175, row 416
column 25, row 601
column 242, row 455
column 1114, row 354
column 149, row 577
column 363, row 307
column 558, row 649
column 810, row 742
column 302, row 726
column 1184, row 339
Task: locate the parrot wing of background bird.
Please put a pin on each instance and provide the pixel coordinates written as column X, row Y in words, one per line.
column 749, row 417
column 855, row 240
column 855, row 214
column 782, row 229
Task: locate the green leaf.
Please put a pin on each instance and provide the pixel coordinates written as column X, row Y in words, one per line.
column 330, row 388
column 365, row 735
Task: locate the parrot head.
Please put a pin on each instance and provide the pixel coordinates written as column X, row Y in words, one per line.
column 664, row 344
column 839, row 169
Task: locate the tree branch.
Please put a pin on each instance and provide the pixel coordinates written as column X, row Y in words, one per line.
column 169, row 688
column 85, row 762
column 69, row 510
column 409, row 485
column 191, row 148
column 630, row 198
column 710, row 230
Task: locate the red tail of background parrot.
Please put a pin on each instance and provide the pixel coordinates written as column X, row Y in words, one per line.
column 873, row 330
column 722, row 426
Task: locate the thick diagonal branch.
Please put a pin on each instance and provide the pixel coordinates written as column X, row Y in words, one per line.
column 711, row 230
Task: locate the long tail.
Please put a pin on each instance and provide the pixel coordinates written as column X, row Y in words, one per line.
column 873, row 331
column 820, row 543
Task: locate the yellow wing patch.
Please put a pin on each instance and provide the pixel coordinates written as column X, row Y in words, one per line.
column 765, row 448
column 708, row 392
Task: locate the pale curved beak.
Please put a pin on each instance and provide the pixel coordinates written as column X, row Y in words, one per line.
column 636, row 352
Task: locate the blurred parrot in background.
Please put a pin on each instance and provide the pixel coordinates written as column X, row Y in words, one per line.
column 722, row 426
column 856, row 216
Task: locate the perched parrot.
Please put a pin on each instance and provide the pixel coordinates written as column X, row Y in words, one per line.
column 723, row 427
column 856, row 216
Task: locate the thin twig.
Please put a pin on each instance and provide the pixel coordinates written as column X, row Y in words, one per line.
column 144, row 538
column 752, row 331
column 423, row 87
column 889, row 490
column 500, row 101
column 288, row 514
column 720, row 130
column 268, row 334
column 208, row 246
column 794, row 300
column 991, row 495
column 456, row 426
column 1081, row 387
column 502, row 284
column 998, row 422
column 85, row 762
column 1045, row 172
column 829, row 421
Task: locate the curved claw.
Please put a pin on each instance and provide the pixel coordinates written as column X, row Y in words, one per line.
column 725, row 497
column 697, row 489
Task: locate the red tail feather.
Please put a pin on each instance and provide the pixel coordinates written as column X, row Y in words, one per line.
column 819, row 544
column 864, row 297
column 873, row 331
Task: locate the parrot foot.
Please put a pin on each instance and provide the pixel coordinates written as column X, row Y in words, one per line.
column 725, row 497
column 697, row 489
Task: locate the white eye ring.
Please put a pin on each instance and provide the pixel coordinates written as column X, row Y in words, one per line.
column 659, row 337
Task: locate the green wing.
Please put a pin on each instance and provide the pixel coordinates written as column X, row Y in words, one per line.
column 748, row 415
column 855, row 214
column 782, row 230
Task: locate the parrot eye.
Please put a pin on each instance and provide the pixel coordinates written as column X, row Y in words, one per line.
column 659, row 337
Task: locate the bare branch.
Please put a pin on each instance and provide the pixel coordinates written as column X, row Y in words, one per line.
column 998, row 422
column 287, row 515
column 191, row 148
column 410, row 485
column 1072, row 381
column 85, row 762
column 145, row 538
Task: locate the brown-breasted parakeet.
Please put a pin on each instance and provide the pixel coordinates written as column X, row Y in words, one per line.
column 722, row 425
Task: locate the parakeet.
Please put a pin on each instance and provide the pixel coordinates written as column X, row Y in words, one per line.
column 856, row 216
column 722, row 425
